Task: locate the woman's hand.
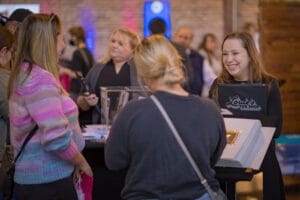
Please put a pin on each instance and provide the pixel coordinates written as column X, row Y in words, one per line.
column 84, row 168
column 81, row 165
column 86, row 101
column 225, row 111
column 91, row 99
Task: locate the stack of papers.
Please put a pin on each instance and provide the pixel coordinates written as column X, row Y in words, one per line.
column 96, row 132
column 247, row 143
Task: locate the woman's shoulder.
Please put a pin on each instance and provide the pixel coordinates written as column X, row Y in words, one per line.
column 270, row 80
column 205, row 102
column 139, row 103
column 37, row 79
column 95, row 70
column 135, row 109
column 98, row 66
column 202, row 53
column 42, row 76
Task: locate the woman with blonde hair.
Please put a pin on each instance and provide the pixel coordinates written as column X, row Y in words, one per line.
column 37, row 100
column 141, row 141
column 241, row 65
column 115, row 69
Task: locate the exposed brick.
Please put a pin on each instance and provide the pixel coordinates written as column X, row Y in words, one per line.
column 201, row 15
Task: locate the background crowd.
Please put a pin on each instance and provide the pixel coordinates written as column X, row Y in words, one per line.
column 53, row 83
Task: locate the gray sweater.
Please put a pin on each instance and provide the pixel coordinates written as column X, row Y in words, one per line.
column 141, row 141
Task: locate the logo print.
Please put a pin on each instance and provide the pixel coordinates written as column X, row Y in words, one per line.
column 238, row 103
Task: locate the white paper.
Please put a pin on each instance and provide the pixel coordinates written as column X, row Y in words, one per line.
column 95, row 132
column 250, row 146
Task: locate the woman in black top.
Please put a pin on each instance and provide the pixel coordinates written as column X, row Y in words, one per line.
column 241, row 64
column 116, row 68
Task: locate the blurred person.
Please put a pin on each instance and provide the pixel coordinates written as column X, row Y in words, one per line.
column 158, row 27
column 6, row 48
column 116, row 68
column 82, row 59
column 141, row 141
column 13, row 23
column 36, row 99
column 207, row 48
column 16, row 18
column 250, row 28
column 6, row 44
column 3, row 19
column 203, row 76
column 241, row 64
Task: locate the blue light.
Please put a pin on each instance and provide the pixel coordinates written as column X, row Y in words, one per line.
column 87, row 20
column 157, row 9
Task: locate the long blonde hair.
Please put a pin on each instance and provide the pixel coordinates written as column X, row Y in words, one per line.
column 157, row 58
column 133, row 37
column 37, row 45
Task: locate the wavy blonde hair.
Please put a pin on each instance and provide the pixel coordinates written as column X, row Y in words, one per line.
column 133, row 37
column 37, row 44
column 157, row 58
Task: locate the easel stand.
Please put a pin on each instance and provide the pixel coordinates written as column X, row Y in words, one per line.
column 228, row 177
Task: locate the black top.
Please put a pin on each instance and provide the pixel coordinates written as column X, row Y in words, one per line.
column 141, row 141
column 82, row 61
column 272, row 178
column 108, row 77
column 196, row 79
column 273, row 117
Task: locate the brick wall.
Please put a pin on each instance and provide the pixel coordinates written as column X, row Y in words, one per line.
column 106, row 15
column 280, row 42
column 201, row 15
column 248, row 12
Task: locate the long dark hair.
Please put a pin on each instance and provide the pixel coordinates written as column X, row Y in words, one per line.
column 203, row 45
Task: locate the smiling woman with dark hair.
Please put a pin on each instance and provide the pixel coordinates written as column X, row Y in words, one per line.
column 241, row 64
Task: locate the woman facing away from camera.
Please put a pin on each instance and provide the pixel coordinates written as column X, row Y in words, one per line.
column 115, row 69
column 141, row 141
column 241, row 64
column 44, row 169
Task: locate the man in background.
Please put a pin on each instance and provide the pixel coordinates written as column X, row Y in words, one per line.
column 184, row 37
column 158, row 26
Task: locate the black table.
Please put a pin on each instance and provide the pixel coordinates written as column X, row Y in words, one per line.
column 108, row 184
